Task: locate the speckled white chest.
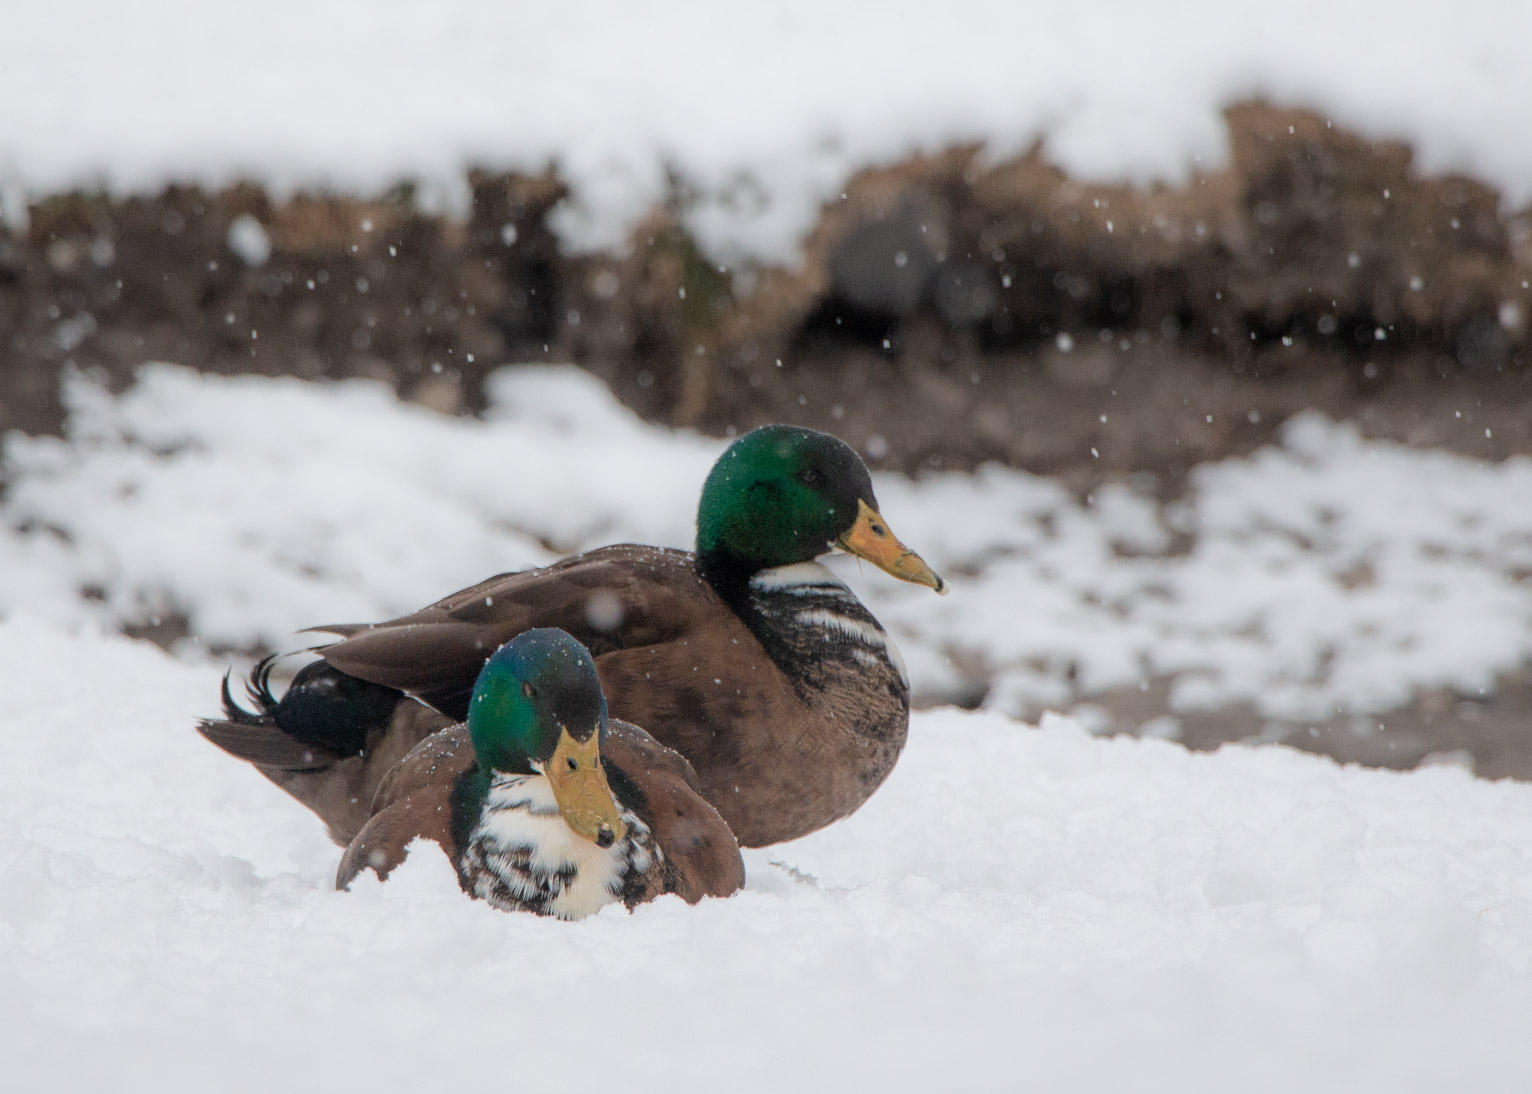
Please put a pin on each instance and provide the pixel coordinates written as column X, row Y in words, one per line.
column 540, row 861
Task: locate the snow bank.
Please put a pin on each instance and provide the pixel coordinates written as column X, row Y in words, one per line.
column 238, row 501
column 1016, row 908
column 763, row 109
column 1327, row 573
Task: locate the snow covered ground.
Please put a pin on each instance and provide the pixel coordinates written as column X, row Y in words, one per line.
column 1327, row 574
column 1019, row 908
column 762, row 109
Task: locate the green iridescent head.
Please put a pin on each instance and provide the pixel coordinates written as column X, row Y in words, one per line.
column 538, row 708
column 781, row 494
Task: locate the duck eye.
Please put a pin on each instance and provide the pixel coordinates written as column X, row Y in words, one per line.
column 809, row 477
column 574, row 764
column 527, row 689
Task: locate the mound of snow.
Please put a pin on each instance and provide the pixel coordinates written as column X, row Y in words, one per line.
column 254, row 506
column 763, row 110
column 1017, row 906
column 1329, row 573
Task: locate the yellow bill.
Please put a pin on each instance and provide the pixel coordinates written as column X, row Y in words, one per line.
column 580, row 787
column 870, row 538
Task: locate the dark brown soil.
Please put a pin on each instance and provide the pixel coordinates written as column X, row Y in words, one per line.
column 1489, row 733
column 924, row 324
column 946, row 312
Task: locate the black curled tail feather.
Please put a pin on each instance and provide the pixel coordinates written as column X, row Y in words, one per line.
column 325, row 715
column 258, row 735
column 258, row 686
column 258, row 690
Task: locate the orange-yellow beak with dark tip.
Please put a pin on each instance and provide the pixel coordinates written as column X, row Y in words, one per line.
column 871, row 539
column 580, row 787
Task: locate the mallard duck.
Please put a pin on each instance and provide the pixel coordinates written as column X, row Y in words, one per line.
column 546, row 805
column 747, row 657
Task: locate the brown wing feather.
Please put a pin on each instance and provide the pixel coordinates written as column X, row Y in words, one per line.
column 263, row 744
column 435, row 654
column 633, row 749
column 701, row 855
column 414, row 801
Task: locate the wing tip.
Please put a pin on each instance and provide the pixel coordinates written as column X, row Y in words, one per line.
column 264, row 744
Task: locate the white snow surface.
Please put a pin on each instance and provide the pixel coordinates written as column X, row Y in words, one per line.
column 1019, row 907
column 763, row 110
